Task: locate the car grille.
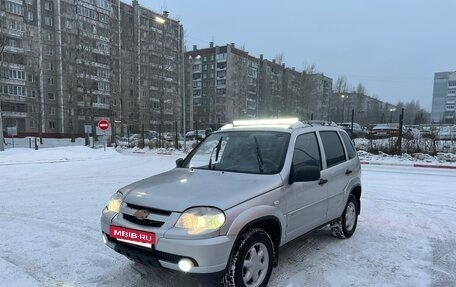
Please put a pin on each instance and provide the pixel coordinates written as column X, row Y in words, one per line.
column 156, row 217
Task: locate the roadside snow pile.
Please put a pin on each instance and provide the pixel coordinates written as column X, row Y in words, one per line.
column 446, row 158
column 157, row 151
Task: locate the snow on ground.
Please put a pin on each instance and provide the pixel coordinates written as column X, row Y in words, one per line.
column 51, row 201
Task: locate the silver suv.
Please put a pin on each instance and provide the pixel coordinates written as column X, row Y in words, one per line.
column 243, row 192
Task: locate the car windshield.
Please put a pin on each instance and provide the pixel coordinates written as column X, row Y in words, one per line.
column 261, row 152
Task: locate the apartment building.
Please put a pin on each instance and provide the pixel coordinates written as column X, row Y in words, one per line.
column 67, row 64
column 221, row 85
column 444, row 98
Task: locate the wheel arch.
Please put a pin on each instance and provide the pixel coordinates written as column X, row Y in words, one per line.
column 271, row 225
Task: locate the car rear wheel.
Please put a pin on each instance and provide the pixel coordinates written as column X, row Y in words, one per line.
column 251, row 261
column 345, row 226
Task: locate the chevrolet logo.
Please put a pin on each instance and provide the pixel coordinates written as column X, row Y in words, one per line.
column 141, row 214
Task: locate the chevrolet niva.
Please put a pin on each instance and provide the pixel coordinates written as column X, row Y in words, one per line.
column 243, row 192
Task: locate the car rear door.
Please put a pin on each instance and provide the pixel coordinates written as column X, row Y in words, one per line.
column 306, row 202
column 338, row 171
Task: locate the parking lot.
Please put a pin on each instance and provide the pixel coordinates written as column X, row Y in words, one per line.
column 50, row 211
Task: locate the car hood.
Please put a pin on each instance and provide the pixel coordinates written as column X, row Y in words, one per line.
column 181, row 188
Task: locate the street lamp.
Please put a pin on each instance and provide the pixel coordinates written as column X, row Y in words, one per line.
column 343, row 106
column 392, row 110
column 162, row 21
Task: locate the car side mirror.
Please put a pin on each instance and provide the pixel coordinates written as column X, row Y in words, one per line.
column 304, row 174
column 179, row 161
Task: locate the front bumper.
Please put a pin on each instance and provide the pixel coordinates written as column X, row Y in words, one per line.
column 209, row 255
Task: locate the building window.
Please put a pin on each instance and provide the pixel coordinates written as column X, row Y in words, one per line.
column 52, row 125
column 51, row 96
column 30, row 15
column 30, row 93
column 48, row 21
column 50, row 81
column 50, row 36
column 14, row 8
column 33, row 124
column 50, row 51
column 15, row 25
column 49, row 6
column 103, row 86
column 51, row 110
column 50, row 67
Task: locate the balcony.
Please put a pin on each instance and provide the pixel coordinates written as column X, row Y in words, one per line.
column 7, row 114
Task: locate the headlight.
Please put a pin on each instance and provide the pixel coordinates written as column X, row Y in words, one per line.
column 114, row 202
column 201, row 219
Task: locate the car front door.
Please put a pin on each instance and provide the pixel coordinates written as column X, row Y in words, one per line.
column 306, row 203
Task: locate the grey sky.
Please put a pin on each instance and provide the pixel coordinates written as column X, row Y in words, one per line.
column 393, row 47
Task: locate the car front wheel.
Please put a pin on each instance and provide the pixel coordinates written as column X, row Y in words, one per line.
column 345, row 226
column 251, row 260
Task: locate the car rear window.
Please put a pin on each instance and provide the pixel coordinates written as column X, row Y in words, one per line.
column 334, row 150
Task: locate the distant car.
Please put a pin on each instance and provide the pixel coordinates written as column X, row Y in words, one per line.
column 321, row 123
column 381, row 131
column 446, row 133
column 192, row 135
column 358, row 131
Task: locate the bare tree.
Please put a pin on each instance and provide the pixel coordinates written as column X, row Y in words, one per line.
column 341, row 85
column 279, row 58
column 309, row 92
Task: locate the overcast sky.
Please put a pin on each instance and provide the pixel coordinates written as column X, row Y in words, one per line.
column 393, row 47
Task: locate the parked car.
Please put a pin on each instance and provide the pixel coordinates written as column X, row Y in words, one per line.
column 446, row 133
column 321, row 123
column 196, row 134
column 381, row 131
column 246, row 190
column 358, row 131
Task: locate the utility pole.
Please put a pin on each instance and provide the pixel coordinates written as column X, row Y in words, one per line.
column 2, row 139
column 399, row 140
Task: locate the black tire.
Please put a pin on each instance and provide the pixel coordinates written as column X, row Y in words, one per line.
column 343, row 228
column 253, row 241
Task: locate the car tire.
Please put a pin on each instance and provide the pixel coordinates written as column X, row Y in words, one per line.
column 251, row 261
column 345, row 226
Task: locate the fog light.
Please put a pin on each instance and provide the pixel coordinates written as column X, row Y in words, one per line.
column 185, row 264
column 105, row 238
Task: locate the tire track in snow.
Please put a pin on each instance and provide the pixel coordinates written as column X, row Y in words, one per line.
column 40, row 275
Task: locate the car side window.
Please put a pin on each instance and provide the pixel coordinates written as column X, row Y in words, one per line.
column 334, row 150
column 307, row 151
column 348, row 145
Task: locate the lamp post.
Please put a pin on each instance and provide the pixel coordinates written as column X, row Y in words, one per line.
column 343, row 97
column 392, row 110
column 161, row 21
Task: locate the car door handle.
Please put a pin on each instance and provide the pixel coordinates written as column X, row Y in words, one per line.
column 322, row 181
column 348, row 171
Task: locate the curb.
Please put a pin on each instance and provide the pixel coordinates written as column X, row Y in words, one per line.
column 411, row 165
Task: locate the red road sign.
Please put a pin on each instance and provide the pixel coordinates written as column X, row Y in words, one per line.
column 103, row 125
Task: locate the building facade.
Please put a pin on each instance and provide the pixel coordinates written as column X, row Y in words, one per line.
column 221, row 85
column 444, row 98
column 224, row 83
column 66, row 64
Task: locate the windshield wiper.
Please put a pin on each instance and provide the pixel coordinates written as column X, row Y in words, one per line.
column 259, row 156
column 217, row 151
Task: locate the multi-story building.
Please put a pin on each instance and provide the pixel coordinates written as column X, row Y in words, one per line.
column 221, row 85
column 224, row 83
column 444, row 98
column 66, row 64
column 151, row 69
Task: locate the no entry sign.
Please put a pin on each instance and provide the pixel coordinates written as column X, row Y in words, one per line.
column 103, row 125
